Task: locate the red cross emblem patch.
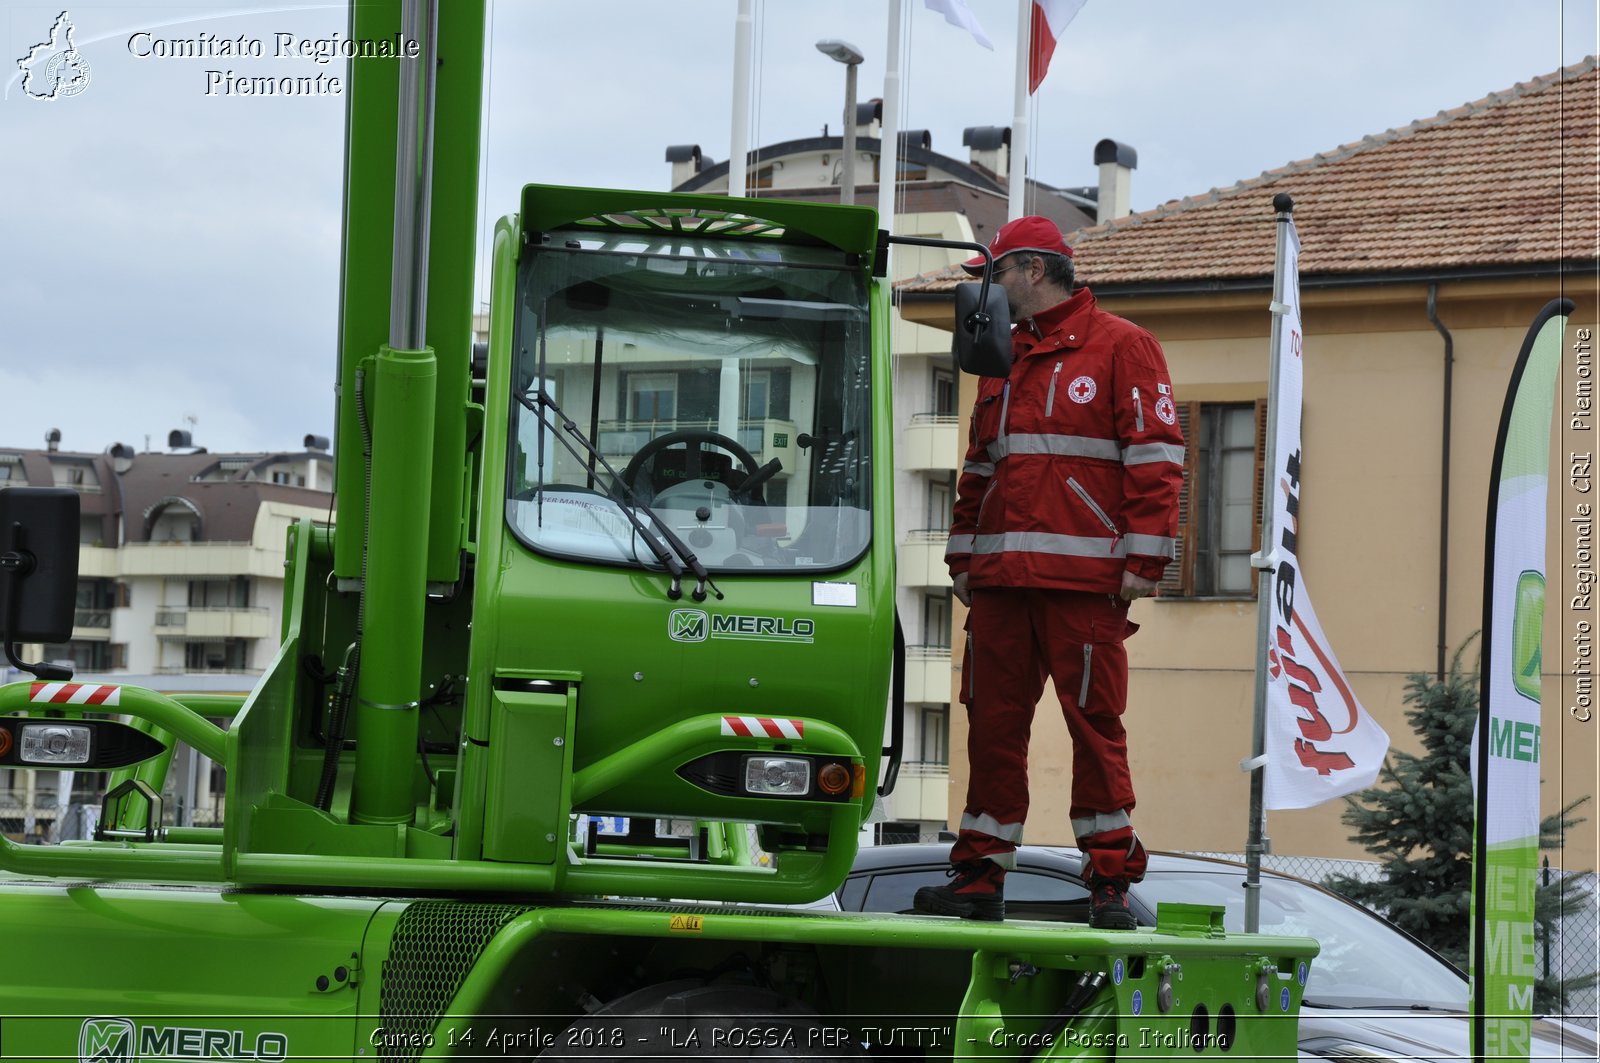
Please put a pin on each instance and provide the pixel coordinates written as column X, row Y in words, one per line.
column 1082, row 389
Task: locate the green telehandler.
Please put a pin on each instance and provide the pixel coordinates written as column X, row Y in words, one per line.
column 633, row 564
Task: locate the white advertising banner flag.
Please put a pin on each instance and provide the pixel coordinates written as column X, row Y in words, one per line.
column 1320, row 742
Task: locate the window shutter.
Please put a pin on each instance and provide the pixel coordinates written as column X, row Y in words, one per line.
column 1261, row 461
column 1178, row 582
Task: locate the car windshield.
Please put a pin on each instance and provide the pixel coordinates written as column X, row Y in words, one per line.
column 725, row 383
column 1363, row 963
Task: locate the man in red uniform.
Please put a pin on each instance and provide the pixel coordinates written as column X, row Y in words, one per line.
column 1066, row 511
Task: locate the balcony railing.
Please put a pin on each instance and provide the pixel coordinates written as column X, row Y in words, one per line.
column 931, row 442
column 929, row 674
column 922, row 792
column 94, row 618
column 213, row 621
column 922, row 558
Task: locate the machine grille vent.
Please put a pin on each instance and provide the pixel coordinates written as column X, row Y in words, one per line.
column 435, row 945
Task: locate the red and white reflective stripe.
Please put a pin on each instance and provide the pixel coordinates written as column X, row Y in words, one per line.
column 75, row 694
column 761, row 727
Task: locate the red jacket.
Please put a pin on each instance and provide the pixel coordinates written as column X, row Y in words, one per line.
column 1075, row 461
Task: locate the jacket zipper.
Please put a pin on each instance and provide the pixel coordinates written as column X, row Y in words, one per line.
column 1078, row 489
column 972, row 673
column 993, row 483
column 1138, row 411
column 1005, row 408
column 1083, row 689
column 1050, row 398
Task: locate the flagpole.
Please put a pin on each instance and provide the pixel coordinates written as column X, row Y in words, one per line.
column 1264, row 561
column 889, row 146
column 739, row 141
column 1016, row 183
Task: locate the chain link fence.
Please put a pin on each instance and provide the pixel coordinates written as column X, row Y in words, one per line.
column 1571, row 951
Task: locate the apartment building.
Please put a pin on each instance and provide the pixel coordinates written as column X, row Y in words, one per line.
column 180, row 586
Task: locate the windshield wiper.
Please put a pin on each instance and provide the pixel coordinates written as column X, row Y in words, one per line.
column 669, row 558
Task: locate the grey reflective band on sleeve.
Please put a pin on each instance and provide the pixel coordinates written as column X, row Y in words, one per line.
column 1057, row 445
column 959, row 544
column 1049, row 543
column 1151, row 545
column 978, row 468
column 1146, row 453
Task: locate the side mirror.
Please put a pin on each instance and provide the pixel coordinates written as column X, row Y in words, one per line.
column 38, row 570
column 983, row 333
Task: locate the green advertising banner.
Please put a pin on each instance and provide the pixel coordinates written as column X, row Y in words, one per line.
column 1505, row 748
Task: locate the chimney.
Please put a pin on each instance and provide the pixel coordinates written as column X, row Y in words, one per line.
column 1117, row 163
column 869, row 119
column 52, row 440
column 991, row 148
column 686, row 162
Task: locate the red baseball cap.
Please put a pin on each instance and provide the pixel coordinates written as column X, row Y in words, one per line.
column 1031, row 233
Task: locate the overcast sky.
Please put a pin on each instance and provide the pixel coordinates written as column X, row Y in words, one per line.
column 170, row 257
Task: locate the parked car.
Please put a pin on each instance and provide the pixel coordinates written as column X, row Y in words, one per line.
column 1374, row 993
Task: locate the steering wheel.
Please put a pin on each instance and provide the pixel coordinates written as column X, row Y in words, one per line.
column 691, row 437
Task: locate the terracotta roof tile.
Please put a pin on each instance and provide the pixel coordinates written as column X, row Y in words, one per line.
column 1508, row 179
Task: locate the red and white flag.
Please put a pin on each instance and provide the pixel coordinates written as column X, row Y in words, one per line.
column 1050, row 18
column 957, row 13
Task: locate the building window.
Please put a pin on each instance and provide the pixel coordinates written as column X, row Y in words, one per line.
column 1219, row 508
column 944, row 393
column 652, row 396
column 225, row 655
column 940, row 493
column 936, row 736
column 232, row 593
column 757, row 394
column 936, row 620
column 82, row 654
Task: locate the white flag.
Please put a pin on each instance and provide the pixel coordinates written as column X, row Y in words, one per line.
column 957, row 13
column 1320, row 742
column 1049, row 22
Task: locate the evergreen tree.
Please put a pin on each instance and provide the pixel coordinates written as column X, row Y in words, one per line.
column 1418, row 822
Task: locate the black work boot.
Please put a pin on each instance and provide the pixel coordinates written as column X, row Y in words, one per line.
column 976, row 891
column 1108, row 905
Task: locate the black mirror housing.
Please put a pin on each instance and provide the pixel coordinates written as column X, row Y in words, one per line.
column 38, row 565
column 982, row 342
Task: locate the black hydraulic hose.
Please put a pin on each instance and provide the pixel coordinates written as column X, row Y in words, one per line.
column 1089, row 983
column 1444, row 473
column 344, row 693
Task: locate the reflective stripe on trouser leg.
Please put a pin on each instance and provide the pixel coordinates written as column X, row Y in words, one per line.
column 1000, row 719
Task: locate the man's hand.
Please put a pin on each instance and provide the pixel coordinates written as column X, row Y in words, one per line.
column 1136, row 586
column 959, row 588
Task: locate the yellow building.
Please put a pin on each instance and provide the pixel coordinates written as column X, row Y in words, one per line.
column 1426, row 253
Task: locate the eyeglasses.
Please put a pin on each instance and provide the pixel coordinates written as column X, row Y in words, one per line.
column 1002, row 269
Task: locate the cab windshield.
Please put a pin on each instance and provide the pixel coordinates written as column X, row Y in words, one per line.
column 719, row 387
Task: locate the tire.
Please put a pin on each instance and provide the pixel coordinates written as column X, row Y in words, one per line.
column 688, row 1019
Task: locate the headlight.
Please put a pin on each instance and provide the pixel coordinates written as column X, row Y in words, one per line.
column 779, row 776
column 55, row 744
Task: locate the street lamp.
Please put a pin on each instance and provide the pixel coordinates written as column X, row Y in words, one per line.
column 848, row 54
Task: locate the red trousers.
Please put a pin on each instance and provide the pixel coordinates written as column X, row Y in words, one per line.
column 1015, row 638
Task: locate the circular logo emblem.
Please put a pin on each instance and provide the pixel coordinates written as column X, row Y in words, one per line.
column 1138, row 1002
column 1300, row 974
column 1116, row 968
column 1165, row 410
column 66, row 74
column 1082, row 389
column 1283, row 1000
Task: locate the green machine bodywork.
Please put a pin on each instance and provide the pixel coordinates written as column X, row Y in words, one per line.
column 634, row 562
